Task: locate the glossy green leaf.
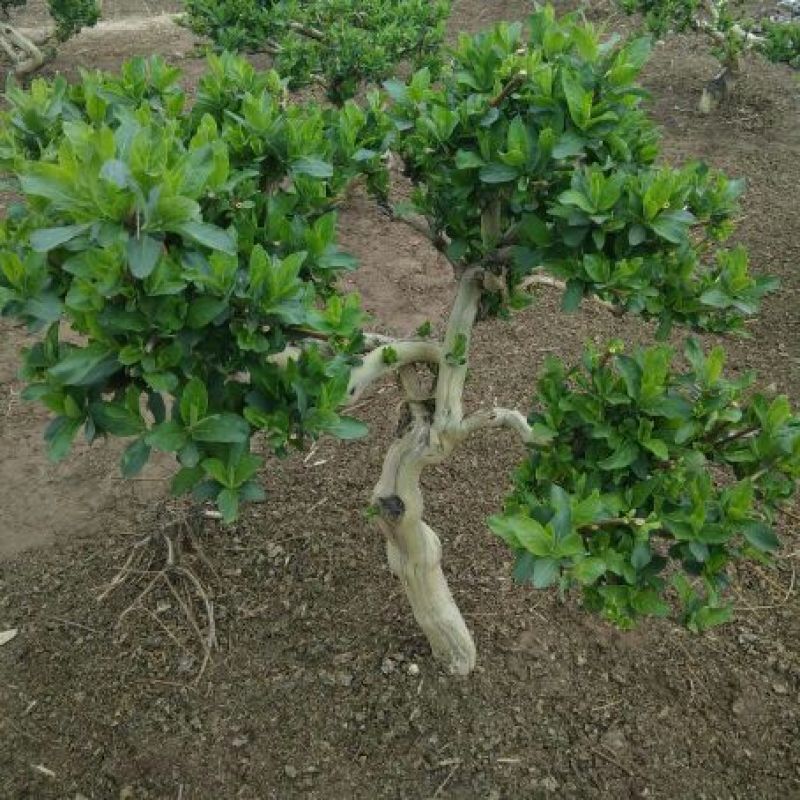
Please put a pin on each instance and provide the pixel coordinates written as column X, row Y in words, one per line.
column 47, row 239
column 209, row 236
column 221, row 428
column 143, row 253
column 134, row 458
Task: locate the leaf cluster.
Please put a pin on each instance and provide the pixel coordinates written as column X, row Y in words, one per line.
column 655, row 480
column 72, row 15
column 187, row 252
column 777, row 41
column 341, row 42
column 535, row 154
column 781, row 42
column 69, row 15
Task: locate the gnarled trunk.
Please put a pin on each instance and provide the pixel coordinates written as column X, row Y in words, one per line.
column 414, row 550
column 436, row 425
column 24, row 51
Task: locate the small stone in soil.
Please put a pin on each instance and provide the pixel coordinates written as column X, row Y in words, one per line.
column 549, row 784
column 614, row 739
column 291, row 772
column 387, row 666
column 344, row 679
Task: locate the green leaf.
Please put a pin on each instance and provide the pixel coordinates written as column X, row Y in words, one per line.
column 251, row 492
column 530, row 534
column 85, row 366
column 589, row 570
column 228, row 505
column 504, row 527
column 498, row 173
column 116, row 172
column 569, row 144
column 204, row 310
column 466, row 159
column 622, row 457
column 194, row 401
column 167, row 437
column 534, row 230
column 545, row 572
column 576, row 97
column 216, row 469
column 572, row 296
column 716, row 298
column 570, row 546
column 143, row 253
column 313, row 167
column 46, row 239
column 658, row 448
column 632, row 375
column 672, row 225
column 641, row 556
column 561, row 523
column 347, row 428
column 209, row 236
column 45, row 308
column 116, row 419
column 186, row 479
column 572, row 197
column 59, row 435
column 246, row 468
column 709, row 617
column 761, row 536
column 222, row 428
column 134, row 457
column 636, row 235
column 588, row 511
column 647, row 601
column 541, row 435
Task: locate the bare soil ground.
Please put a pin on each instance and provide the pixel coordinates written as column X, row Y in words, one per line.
column 322, row 686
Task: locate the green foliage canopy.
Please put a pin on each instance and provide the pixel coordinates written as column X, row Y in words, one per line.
column 649, row 466
column 69, row 15
column 184, row 249
column 341, row 42
column 537, row 156
column 730, row 32
column 181, row 266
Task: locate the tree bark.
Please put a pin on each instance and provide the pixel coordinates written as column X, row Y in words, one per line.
column 23, row 51
column 413, row 548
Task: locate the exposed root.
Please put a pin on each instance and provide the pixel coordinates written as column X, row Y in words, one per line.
column 171, row 561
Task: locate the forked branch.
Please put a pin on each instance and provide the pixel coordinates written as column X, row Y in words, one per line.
column 389, row 358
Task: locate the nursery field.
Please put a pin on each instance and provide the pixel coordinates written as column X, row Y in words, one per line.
column 321, row 685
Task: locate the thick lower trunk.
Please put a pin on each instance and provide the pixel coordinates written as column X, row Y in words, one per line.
column 437, row 425
column 415, row 553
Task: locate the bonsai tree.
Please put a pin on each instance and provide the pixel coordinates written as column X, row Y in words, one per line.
column 729, row 36
column 338, row 43
column 193, row 256
column 28, row 53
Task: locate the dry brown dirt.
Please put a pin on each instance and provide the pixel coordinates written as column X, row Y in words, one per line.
column 322, row 686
